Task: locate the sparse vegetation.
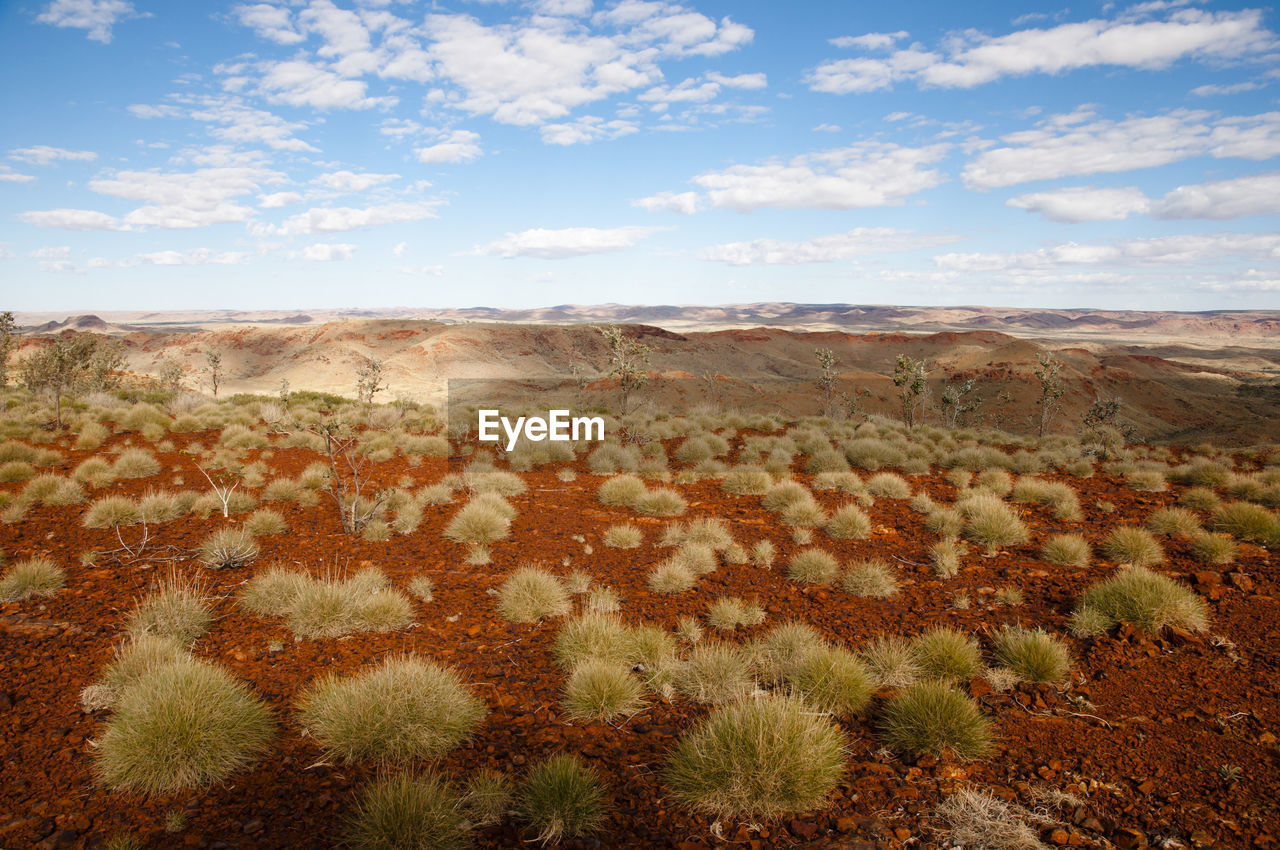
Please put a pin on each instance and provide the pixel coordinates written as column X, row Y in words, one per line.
column 405, row 709
column 1066, row 550
column 1147, row 599
column 530, row 594
column 1134, row 546
column 932, row 717
column 757, row 759
column 561, row 798
column 34, row 577
column 1034, row 654
column 406, row 812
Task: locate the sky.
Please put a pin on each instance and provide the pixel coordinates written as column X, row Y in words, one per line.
column 371, row 153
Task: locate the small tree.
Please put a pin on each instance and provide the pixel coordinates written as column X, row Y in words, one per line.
column 7, row 344
column 73, row 363
column 958, row 399
column 213, row 357
column 369, row 382
column 627, row 360
column 1048, row 373
column 171, row 374
column 348, row 478
column 827, row 381
column 911, row 379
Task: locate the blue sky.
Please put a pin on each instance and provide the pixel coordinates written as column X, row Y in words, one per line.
column 369, row 153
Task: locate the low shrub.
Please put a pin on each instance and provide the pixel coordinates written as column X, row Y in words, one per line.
column 889, row 485
column 184, row 725
column 874, row 579
column 1149, row 600
column 1034, row 654
column 530, row 594
column 601, row 690
column 776, row 654
column 1066, row 550
column 228, row 548
column 623, row 536
column 1247, row 521
column 622, row 491
column 992, row 523
column 814, row 566
column 757, row 759
column 833, row 680
column 671, row 577
column 561, row 798
column 1134, row 546
column 661, row 502
column 1174, row 521
column 1214, row 548
column 135, row 463
column 110, row 512
column 34, row 577
column 405, row 709
column 714, row 672
column 946, row 653
column 478, row 523
column 406, row 812
column 891, row 661
column 848, row 523
column 178, row 609
column 932, row 717
column 265, row 522
column 729, row 612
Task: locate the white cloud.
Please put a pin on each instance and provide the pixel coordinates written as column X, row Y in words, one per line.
column 858, row 242
column 350, row 181
column 1234, row 88
column 197, row 257
column 971, row 58
column 587, row 129
column 1084, row 204
column 869, row 174
column 242, row 124
column 457, row 146
column 827, row 128
column 51, row 252
column 559, row 244
column 96, row 16
column 564, row 7
column 43, row 155
column 327, row 252
column 741, row 81
column 300, row 83
column 70, row 219
column 187, row 199
column 1242, row 196
column 685, row 203
column 870, row 41
column 275, row 200
column 340, row 219
column 1188, row 249
column 421, row 271
column 1222, row 199
column 399, row 249
column 8, row 175
column 270, row 22
column 1080, row 143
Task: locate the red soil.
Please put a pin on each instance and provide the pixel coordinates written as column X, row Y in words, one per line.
column 1139, row 732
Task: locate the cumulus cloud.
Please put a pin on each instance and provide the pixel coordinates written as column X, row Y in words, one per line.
column 585, row 130
column 1222, row 199
column 96, row 16
column 456, row 146
column 275, row 200
column 868, row 174
column 1189, row 249
column 1131, row 40
column 274, row 23
column 72, row 219
column 1084, row 203
column 43, row 155
column 340, row 219
column 182, row 200
column 685, row 203
column 559, row 244
column 1080, row 143
column 350, row 181
column 860, row 241
column 328, row 251
column 8, row 175
column 297, row 82
column 871, row 40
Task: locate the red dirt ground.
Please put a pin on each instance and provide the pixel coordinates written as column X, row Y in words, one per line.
column 1139, row 733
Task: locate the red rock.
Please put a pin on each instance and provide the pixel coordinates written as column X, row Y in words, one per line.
column 803, row 829
column 1059, row 836
column 1128, row 838
column 846, row 824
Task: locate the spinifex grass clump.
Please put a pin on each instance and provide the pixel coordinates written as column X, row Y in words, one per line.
column 1149, row 600
column 1172, row 522
column 405, row 709
column 759, row 758
column 873, row 578
column 1066, row 550
column 561, row 798
column 227, row 549
column 833, row 680
column 530, row 594
column 715, row 672
column 932, row 717
column 1247, row 521
column 479, row 523
column 601, row 690
column 729, row 612
column 179, row 609
column 946, row 653
column 1034, row 654
column 1134, row 546
column 404, row 812
column 30, row 578
column 892, row 661
column 990, row 522
column 848, row 523
column 329, row 606
column 624, row 536
column 183, row 725
column 814, row 566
